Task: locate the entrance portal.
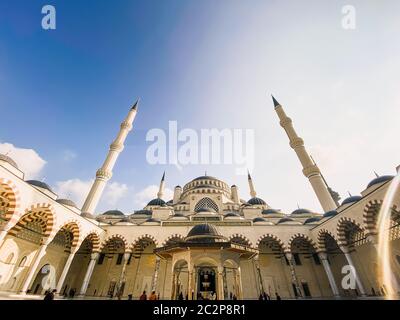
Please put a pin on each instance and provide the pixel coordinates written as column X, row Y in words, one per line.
column 206, row 282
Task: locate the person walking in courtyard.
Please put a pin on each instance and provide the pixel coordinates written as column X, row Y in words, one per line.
column 153, row 296
column 143, row 296
column 50, row 295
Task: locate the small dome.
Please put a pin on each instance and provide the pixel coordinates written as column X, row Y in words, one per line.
column 204, row 233
column 113, row 213
column 311, row 220
column 66, row 202
column 329, row 214
column 206, row 210
column 39, row 184
column 147, row 212
column 380, row 180
column 301, row 211
column 271, row 211
column 153, row 220
column 284, row 220
column 351, row 200
column 156, row 202
column 170, row 202
column 256, row 201
column 259, row 219
column 5, row 158
column 231, row 214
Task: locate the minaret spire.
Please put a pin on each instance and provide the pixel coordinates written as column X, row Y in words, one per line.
column 161, row 189
column 253, row 193
column 310, row 169
column 105, row 172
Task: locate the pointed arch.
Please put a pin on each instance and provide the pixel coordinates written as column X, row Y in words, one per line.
column 322, row 238
column 94, row 238
column 304, row 241
column 273, row 238
column 173, row 238
column 71, row 226
column 114, row 243
column 241, row 239
column 10, row 200
column 41, row 216
column 349, row 232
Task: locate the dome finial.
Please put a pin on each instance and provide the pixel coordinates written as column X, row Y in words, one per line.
column 377, row 175
column 135, row 105
column 276, row 103
column 349, row 193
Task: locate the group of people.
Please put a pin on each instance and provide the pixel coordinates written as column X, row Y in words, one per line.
column 266, row 296
column 152, row 296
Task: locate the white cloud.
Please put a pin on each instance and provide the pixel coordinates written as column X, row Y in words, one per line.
column 143, row 197
column 114, row 192
column 28, row 160
column 74, row 189
column 77, row 190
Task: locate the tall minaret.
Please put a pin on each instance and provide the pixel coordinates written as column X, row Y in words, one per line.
column 253, row 193
column 105, row 172
column 161, row 189
column 310, row 169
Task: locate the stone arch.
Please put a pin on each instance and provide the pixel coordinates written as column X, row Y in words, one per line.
column 9, row 200
column 371, row 211
column 72, row 226
column 322, row 238
column 173, row 238
column 241, row 239
column 273, row 238
column 111, row 242
column 94, row 239
column 41, row 214
column 304, row 238
column 345, row 230
column 141, row 243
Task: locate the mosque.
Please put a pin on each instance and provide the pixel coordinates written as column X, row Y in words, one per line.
column 206, row 241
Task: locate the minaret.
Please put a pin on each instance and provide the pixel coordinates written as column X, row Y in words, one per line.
column 161, row 189
column 310, row 169
column 253, row 193
column 105, row 172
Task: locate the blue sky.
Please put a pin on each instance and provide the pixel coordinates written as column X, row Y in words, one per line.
column 205, row 64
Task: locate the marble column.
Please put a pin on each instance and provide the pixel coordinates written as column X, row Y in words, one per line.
column 295, row 281
column 220, row 283
column 154, row 280
column 190, row 283
column 41, row 252
column 122, row 277
column 239, row 282
column 355, row 274
column 93, row 259
column 65, row 270
column 325, row 263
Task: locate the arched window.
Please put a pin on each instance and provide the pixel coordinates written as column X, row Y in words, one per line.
column 22, row 262
column 10, row 258
column 206, row 203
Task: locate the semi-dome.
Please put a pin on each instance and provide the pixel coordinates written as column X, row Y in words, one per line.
column 66, row 202
column 113, row 213
column 256, row 201
column 39, row 184
column 301, row 211
column 329, row 214
column 204, row 233
column 206, row 210
column 312, row 220
column 380, row 180
column 271, row 211
column 156, row 202
column 153, row 220
column 9, row 160
column 351, row 199
column 259, row 219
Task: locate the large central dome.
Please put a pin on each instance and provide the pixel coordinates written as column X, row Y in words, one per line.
column 206, row 184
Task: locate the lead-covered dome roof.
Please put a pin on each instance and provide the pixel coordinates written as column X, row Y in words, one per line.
column 8, row 160
column 39, row 184
column 204, row 233
column 380, row 180
column 113, row 213
column 256, row 201
column 66, row 202
column 156, row 202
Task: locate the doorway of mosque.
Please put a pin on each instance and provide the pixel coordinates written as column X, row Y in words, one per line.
column 206, row 282
column 44, row 280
